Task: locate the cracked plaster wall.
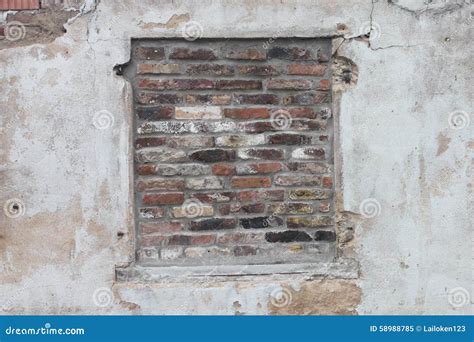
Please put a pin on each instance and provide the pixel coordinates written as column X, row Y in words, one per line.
column 396, row 146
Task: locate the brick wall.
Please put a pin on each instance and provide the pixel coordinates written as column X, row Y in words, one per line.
column 233, row 151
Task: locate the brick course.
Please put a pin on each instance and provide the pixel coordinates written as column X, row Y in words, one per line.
column 233, row 148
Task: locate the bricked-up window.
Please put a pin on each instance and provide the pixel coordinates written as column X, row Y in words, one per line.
column 233, row 151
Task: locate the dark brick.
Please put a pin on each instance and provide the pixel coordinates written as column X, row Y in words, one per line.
column 213, row 224
column 257, row 99
column 265, row 195
column 149, row 53
column 153, row 98
column 294, row 53
column 239, row 84
column 309, row 221
column 198, row 54
column 210, row 69
column 289, row 139
column 155, row 113
column 311, row 98
column 213, row 155
column 287, row 236
column 209, row 99
column 185, row 240
column 244, row 250
column 261, row 222
column 149, row 142
column 215, row 197
column 257, row 70
column 177, row 84
column 237, row 208
column 247, row 54
column 325, row 235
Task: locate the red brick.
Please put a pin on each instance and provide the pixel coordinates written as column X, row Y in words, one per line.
column 149, row 142
column 158, row 69
column 160, row 184
column 191, row 240
column 307, row 69
column 324, row 85
column 209, row 99
column 297, row 180
column 246, row 113
column 163, row 198
column 152, row 240
column 237, row 208
column 239, row 84
column 198, row 54
column 146, row 169
column 247, row 54
column 178, row 84
column 251, row 182
column 161, row 227
column 223, row 169
column 264, row 195
column 249, row 169
column 327, row 182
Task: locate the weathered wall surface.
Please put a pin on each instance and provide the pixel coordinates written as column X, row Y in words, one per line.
column 404, row 161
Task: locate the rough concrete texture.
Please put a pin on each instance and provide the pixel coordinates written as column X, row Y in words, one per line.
column 66, row 161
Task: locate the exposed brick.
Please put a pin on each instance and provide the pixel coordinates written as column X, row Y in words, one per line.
column 287, row 236
column 181, row 170
column 261, row 153
column 257, row 99
column 149, row 53
column 210, row 69
column 323, row 57
column 158, row 69
column 325, row 235
column 163, row 198
column 213, row 224
column 237, row 237
column 208, row 99
column 257, row 70
column 263, row 195
column 327, row 182
column 307, row 69
column 239, row 84
column 291, row 53
column 247, row 113
column 261, row 222
column 240, row 140
column 204, row 183
column 190, row 212
column 298, row 113
column 290, row 208
column 244, row 250
column 289, row 84
column 153, row 98
column 247, row 54
column 324, row 85
column 237, row 208
column 251, row 182
column 213, row 155
column 309, row 221
column 223, row 169
column 311, row 98
column 182, row 127
column 152, row 240
column 324, row 207
column 191, row 240
column 146, row 169
column 160, row 154
column 309, row 153
column 181, row 84
column 255, row 168
column 199, row 113
column 151, row 213
column 196, row 54
column 160, row 184
column 308, row 194
column 309, row 167
column 308, row 125
column 187, row 141
column 161, row 227
column 297, row 180
column 214, row 197
column 289, row 139
column 149, row 142
column 155, row 113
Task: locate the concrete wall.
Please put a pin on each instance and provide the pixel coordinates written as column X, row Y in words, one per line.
column 405, row 153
